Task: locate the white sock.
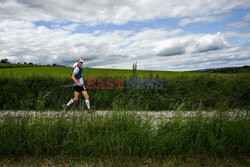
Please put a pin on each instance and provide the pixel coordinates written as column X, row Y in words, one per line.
column 70, row 102
column 87, row 103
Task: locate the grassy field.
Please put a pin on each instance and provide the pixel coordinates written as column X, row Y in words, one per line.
column 23, row 71
column 87, row 72
column 39, row 88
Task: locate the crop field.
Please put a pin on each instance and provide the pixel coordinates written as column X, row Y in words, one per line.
column 65, row 72
column 196, row 119
column 40, row 88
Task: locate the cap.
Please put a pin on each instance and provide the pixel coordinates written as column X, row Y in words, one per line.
column 79, row 60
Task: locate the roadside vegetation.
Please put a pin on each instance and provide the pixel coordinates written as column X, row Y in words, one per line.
column 127, row 135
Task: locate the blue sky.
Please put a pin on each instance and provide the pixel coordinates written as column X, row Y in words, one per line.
column 171, row 23
column 176, row 35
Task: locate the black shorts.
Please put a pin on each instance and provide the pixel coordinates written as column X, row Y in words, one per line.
column 79, row 88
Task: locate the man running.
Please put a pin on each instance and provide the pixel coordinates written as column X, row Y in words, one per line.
column 78, row 86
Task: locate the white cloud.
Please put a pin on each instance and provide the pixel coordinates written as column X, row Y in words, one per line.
column 236, row 35
column 159, row 48
column 69, row 28
column 207, row 19
column 194, row 43
column 112, row 11
column 239, row 24
column 247, row 17
column 21, row 41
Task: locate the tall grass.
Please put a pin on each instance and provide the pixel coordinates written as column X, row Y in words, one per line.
column 124, row 134
column 204, row 91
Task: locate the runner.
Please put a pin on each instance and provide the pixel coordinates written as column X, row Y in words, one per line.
column 78, row 86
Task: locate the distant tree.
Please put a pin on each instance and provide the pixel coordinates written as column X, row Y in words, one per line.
column 245, row 67
column 5, row 61
column 24, row 63
column 30, row 64
column 54, row 64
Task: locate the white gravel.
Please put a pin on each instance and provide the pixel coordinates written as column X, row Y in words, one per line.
column 151, row 114
column 156, row 117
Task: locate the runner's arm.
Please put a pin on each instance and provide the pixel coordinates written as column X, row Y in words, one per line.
column 74, row 79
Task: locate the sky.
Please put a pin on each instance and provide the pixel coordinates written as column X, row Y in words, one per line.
column 169, row 35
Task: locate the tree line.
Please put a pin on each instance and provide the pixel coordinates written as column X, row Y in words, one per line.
column 6, row 61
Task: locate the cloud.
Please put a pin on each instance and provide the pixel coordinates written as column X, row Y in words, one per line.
column 117, row 12
column 247, row 17
column 195, row 43
column 222, row 58
column 230, row 34
column 207, row 19
column 239, row 24
column 22, row 41
column 69, row 28
column 172, row 51
column 153, row 48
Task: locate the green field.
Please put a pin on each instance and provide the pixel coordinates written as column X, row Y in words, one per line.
column 65, row 72
column 22, row 71
column 39, row 88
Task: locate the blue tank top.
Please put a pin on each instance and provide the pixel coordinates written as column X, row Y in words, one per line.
column 78, row 75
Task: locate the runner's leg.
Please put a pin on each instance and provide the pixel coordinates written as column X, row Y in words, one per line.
column 76, row 96
column 71, row 101
column 86, row 96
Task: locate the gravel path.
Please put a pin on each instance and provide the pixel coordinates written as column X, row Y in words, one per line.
column 155, row 117
column 153, row 114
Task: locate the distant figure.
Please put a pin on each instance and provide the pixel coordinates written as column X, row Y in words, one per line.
column 134, row 69
column 79, row 87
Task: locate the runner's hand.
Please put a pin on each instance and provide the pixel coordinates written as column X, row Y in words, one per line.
column 79, row 84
